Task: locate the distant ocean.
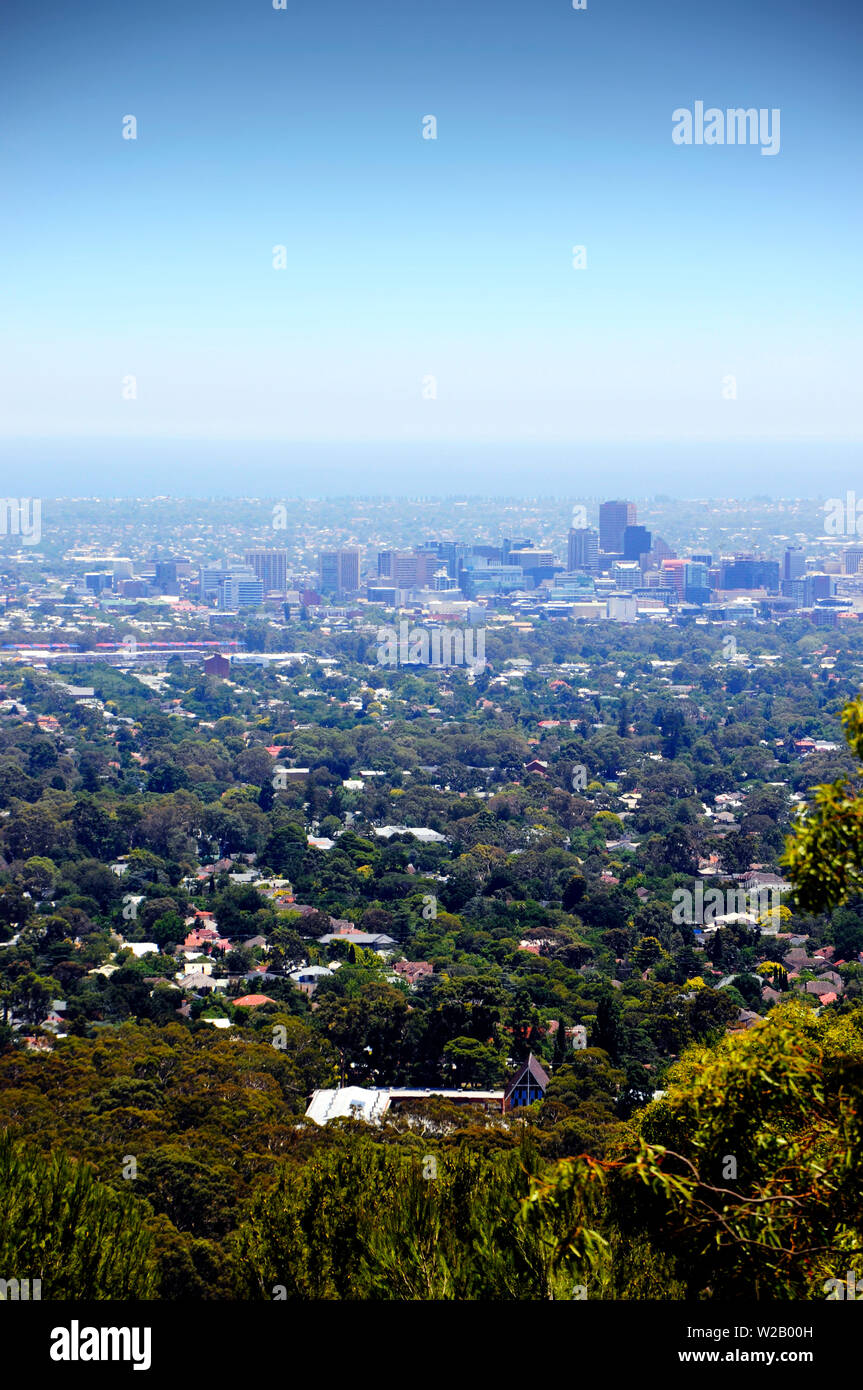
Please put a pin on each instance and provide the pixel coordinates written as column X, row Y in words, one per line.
column 211, row 468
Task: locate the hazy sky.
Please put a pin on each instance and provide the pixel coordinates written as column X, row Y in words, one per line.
column 409, row 259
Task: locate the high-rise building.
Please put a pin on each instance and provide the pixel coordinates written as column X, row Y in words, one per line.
column 271, row 567
column 626, row 574
column 166, row 576
column 537, row 565
column 134, row 588
column 409, row 569
column 583, row 549
column 696, row 582
column 674, row 573
column 852, row 558
column 98, row 581
column 443, row 582
column 452, row 553
column 614, row 517
column 801, row 591
column 750, row 572
column 241, row 588
column 661, row 550
column 823, row 585
column 210, row 579
column 794, row 562
column 415, row 571
column 637, row 543
column 340, row 571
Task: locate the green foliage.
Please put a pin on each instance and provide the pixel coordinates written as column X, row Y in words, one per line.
column 824, row 856
column 745, row 1177
column 367, row 1222
column 60, row 1225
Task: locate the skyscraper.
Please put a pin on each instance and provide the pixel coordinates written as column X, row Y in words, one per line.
column 614, row 517
column 674, row 574
column 583, row 549
column 271, row 567
column 340, row 571
column 794, row 562
column 637, row 542
column 852, row 558
column 696, row 582
column 750, row 572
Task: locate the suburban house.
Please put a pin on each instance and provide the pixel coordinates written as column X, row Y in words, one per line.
column 308, row 977
column 413, row 970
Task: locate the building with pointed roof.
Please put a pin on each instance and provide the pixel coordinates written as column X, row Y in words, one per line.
column 529, row 1084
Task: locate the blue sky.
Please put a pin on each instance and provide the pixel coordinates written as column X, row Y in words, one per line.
column 410, row 259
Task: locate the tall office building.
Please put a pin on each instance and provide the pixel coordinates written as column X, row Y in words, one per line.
column 166, row 577
column 271, row 567
column 210, row 578
column 750, row 572
column 696, row 582
column 98, row 581
column 626, row 574
column 452, row 553
column 241, row 588
column 852, row 559
column 340, row 571
column 583, row 549
column 637, row 542
column 674, row 574
column 794, row 562
column 536, row 564
column 823, row 585
column 234, row 587
column 408, row 569
column 614, row 517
